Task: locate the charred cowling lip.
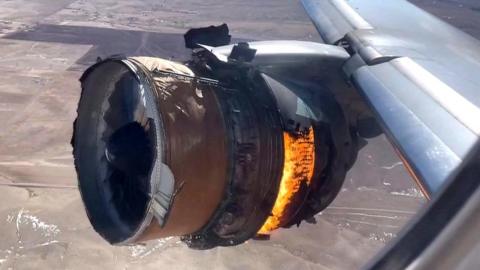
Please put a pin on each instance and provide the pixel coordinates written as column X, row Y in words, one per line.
column 113, row 231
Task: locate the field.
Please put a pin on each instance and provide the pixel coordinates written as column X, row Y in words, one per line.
column 45, row 46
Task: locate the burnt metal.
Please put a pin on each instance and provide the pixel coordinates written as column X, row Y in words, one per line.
column 335, row 152
column 335, row 146
column 302, row 102
column 256, row 165
column 242, row 53
column 211, row 36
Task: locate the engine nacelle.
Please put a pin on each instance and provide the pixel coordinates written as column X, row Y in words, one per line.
column 216, row 150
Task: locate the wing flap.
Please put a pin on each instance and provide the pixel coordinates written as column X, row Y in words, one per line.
column 425, row 124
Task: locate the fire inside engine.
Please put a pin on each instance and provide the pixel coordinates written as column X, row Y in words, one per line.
column 215, row 151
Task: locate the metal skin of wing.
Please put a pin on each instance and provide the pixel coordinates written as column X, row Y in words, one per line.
column 417, row 73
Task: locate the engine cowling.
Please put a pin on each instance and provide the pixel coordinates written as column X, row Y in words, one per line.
column 216, row 153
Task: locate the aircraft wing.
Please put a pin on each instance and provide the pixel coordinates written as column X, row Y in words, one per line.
column 420, row 75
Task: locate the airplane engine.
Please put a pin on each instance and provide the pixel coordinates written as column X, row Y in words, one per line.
column 215, row 152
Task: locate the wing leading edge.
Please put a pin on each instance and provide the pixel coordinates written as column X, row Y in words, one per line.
column 417, row 73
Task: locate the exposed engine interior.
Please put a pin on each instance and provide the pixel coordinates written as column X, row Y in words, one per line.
column 217, row 150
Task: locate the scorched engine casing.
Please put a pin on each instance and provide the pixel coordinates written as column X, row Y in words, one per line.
column 198, row 150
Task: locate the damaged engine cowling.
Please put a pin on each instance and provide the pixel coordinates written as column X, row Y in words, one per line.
column 214, row 151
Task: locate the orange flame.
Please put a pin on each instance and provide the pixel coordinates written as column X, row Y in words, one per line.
column 298, row 167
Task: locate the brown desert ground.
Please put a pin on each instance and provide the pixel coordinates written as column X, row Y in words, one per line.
column 45, row 46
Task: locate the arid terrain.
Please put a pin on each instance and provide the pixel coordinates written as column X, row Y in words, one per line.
column 45, row 46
